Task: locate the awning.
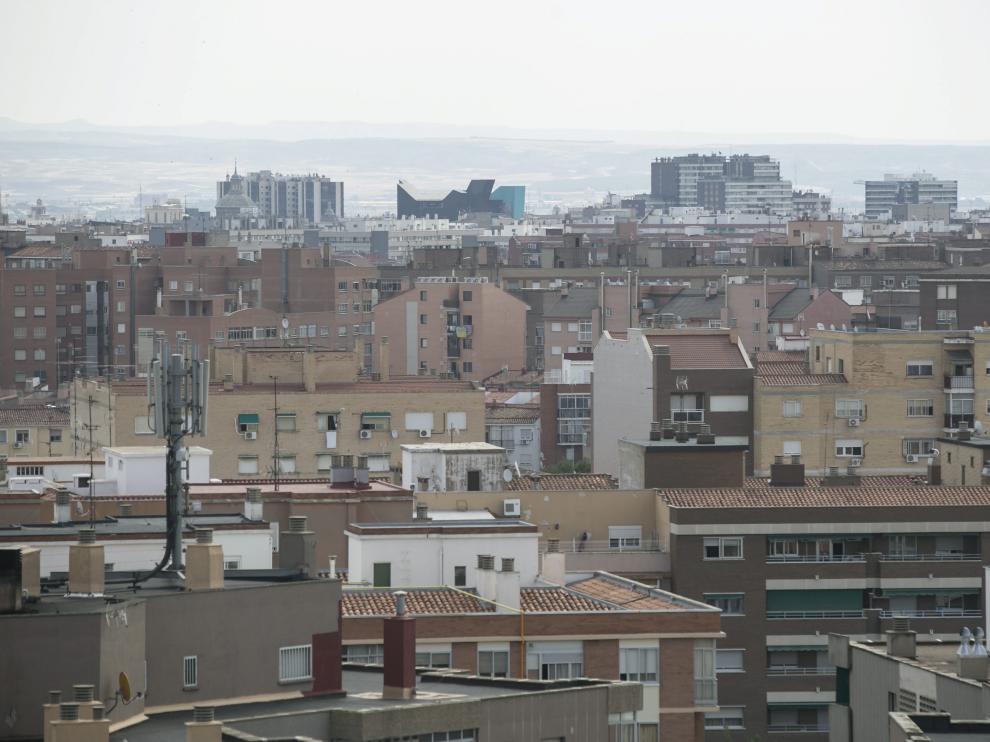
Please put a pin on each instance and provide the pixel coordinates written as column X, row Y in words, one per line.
column 247, row 418
column 798, row 648
column 722, row 596
column 960, row 355
column 931, row 591
column 376, row 414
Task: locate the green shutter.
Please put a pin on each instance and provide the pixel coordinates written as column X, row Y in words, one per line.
column 376, row 414
column 383, row 574
column 248, row 418
column 814, row 600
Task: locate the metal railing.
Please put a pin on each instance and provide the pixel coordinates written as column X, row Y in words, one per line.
column 815, row 614
column 606, row 546
column 815, row 558
column 934, row 613
column 797, row 728
column 930, row 557
column 800, row 670
column 958, row 382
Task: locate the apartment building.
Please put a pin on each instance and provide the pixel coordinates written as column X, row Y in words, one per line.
column 720, row 183
column 692, row 378
column 34, row 430
column 788, row 563
column 602, row 626
column 462, row 328
column 955, row 299
column 884, row 196
column 876, row 401
column 321, row 414
column 290, row 200
column 516, row 428
column 576, row 319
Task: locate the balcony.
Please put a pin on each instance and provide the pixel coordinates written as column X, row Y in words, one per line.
column 688, row 416
column 959, row 420
column 815, row 614
column 778, row 728
column 649, row 557
column 951, row 557
column 959, row 382
column 783, row 670
column 934, row 613
column 816, row 558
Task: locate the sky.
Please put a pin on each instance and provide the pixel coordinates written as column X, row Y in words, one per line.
column 889, row 70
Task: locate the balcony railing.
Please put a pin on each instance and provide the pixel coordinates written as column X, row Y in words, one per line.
column 959, row 420
column 930, row 557
column 607, row 546
column 958, row 382
column 705, row 692
column 815, row 558
column 688, row 416
column 800, row 671
column 797, row 728
column 815, row 614
column 934, row 613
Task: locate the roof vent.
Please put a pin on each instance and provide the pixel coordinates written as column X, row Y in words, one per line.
column 54, row 697
column 62, row 496
column 68, row 711
column 202, row 714
column 97, row 712
column 656, row 431
column 204, row 535
column 83, row 693
column 422, row 511
column 486, row 561
column 87, row 536
column 253, row 494
column 553, row 545
column 297, row 523
column 125, row 508
column 400, row 602
column 508, row 564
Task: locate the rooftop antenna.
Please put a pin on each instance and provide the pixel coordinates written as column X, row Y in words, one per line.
column 277, row 461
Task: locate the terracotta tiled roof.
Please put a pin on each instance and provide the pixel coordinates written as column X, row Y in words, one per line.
column 432, row 602
column 782, row 368
column 562, row 482
column 37, row 251
column 700, row 351
column 35, row 415
column 871, row 492
column 626, row 595
column 512, row 413
column 780, row 356
column 556, row 600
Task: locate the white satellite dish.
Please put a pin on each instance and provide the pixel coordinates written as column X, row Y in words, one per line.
column 285, row 323
column 507, row 475
column 395, row 433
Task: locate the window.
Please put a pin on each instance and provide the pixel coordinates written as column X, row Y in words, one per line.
column 326, row 421
column 727, row 717
column 190, row 673
column 20, row 289
column 493, row 663
column 247, row 464
column 946, row 291
column 376, row 421
column 20, row 354
column 728, row 403
column 847, row 408
column 843, row 282
column 554, row 327
column 555, row 350
column 39, row 332
column 433, row 657
column 247, row 422
column 173, row 285
column 791, row 448
column 122, row 328
column 231, row 562
column 584, row 331
column 382, row 574
column 920, row 407
column 468, row 367
column 366, row 654
column 961, row 406
column 342, row 331
column 422, row 319
column 39, row 354
column 423, row 343
column 468, row 295
column 20, row 311
column 295, row 663
column 918, row 446
column 3, row 437
column 285, row 422
column 723, row 547
column 343, row 308
column 467, row 343
column 625, row 537
column 554, row 660
column 75, row 309
column 187, row 286
column 342, row 286
column 792, row 408
column 639, row 665
column 460, row 576
column 705, row 684
column 729, row 660
column 945, row 316
column 849, row 448
column 865, row 282
column 919, row 368
column 687, row 408
column 20, row 333
column 287, row 464
column 731, row 604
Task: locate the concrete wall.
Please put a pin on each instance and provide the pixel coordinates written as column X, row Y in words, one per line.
column 448, row 470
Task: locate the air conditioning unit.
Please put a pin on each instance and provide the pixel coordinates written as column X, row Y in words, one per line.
column 853, row 422
column 511, row 508
column 424, row 433
column 911, row 458
column 365, row 435
column 18, row 444
column 251, row 435
column 855, row 461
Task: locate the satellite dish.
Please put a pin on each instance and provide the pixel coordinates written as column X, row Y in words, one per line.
column 507, row 475
column 285, row 323
column 395, row 433
column 124, row 686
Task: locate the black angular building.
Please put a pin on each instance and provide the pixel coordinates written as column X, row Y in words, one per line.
column 476, row 198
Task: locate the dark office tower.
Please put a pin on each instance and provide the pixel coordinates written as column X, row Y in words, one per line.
column 475, row 199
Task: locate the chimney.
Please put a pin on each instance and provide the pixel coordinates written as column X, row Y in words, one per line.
column 204, row 562
column 30, row 572
column 507, row 587
column 79, row 723
column 400, row 653
column 297, row 546
column 253, row 506
column 203, row 727
column 422, row 511
column 309, row 370
column 63, row 502
column 656, row 431
column 485, row 577
column 125, row 508
column 86, row 567
column 50, row 712
column 327, row 670
column 228, row 382
column 787, row 471
column 901, row 640
column 934, row 473
column 333, row 566
column 554, row 567
column 384, row 359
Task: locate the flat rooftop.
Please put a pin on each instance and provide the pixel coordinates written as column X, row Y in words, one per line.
column 937, row 657
column 444, row 526
column 465, row 447
column 723, row 442
column 125, row 526
column 363, row 687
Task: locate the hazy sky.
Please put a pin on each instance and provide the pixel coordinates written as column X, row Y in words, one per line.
column 897, row 69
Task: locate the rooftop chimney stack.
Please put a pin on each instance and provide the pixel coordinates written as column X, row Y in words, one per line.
column 204, row 562
column 77, row 722
column 422, row 511
column 901, row 640
column 507, row 587
column 554, row 568
column 309, row 370
column 934, row 472
column 228, row 382
column 86, row 567
column 63, row 503
column 253, row 506
column 787, row 471
column 400, row 653
column 384, row 360
column 485, row 577
column 125, row 508
column 297, row 546
column 203, row 727
column 50, row 712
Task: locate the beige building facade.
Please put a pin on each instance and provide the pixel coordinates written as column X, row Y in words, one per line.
column 873, row 401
